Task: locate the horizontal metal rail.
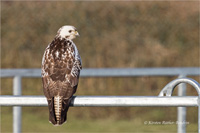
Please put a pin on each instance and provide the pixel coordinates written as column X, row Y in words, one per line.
column 104, row 101
column 111, row 72
column 130, row 101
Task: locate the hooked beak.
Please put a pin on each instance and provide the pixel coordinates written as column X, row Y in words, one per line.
column 76, row 33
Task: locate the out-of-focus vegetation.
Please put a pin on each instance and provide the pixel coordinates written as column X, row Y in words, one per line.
column 113, row 34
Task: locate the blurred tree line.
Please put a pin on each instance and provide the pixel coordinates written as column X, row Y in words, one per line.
column 112, row 34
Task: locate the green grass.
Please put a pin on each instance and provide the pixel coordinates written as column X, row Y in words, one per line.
column 38, row 122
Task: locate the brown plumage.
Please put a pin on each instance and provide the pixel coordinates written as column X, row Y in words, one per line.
column 61, row 65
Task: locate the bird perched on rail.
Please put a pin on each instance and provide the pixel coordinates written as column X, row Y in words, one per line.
column 61, row 65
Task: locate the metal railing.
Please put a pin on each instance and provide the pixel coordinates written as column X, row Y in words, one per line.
column 104, row 101
column 108, row 72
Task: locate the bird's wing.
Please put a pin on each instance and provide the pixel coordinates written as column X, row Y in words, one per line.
column 61, row 65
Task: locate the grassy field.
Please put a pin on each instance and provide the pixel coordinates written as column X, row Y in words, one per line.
column 31, row 122
column 113, row 34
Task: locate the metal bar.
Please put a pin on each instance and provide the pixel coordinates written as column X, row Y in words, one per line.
column 182, row 119
column 104, row 101
column 181, row 110
column 111, row 72
column 17, row 110
column 103, row 72
column 169, row 88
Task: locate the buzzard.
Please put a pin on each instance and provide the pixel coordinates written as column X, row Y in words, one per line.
column 61, row 65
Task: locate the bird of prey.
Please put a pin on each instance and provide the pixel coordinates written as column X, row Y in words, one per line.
column 61, row 65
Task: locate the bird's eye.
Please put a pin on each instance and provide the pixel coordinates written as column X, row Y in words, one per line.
column 70, row 31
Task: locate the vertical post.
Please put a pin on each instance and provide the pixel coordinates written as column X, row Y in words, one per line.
column 181, row 110
column 17, row 109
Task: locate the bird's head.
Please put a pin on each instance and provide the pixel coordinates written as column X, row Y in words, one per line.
column 67, row 32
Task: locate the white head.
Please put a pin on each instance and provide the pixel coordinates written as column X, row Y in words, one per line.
column 68, row 32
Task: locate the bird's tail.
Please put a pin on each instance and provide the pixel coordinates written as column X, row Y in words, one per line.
column 58, row 107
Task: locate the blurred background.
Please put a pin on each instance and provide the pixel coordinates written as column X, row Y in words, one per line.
column 113, row 35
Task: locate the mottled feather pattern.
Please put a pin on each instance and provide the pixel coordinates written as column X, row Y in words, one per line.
column 59, row 59
column 61, row 65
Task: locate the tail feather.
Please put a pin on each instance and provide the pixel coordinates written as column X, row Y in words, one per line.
column 52, row 118
column 58, row 108
column 65, row 107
